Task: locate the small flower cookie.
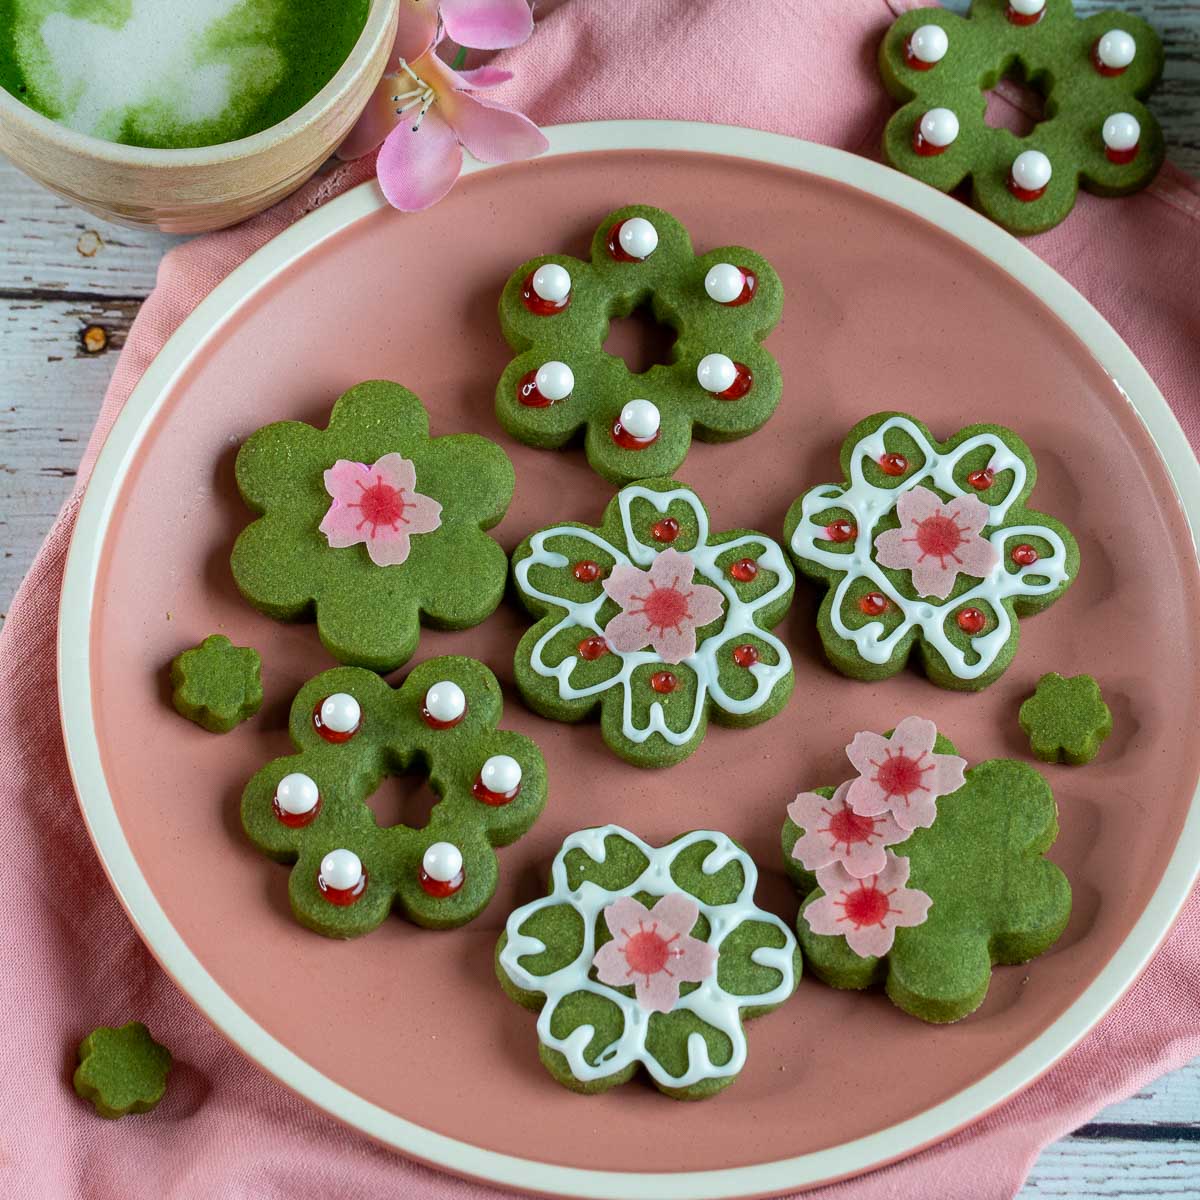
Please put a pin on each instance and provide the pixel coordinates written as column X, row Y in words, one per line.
column 721, row 384
column 216, row 684
column 929, row 546
column 1066, row 719
column 650, row 957
column 122, row 1071
column 351, row 731
column 920, row 873
column 372, row 526
column 654, row 620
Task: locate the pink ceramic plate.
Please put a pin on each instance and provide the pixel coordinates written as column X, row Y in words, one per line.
column 405, row 1033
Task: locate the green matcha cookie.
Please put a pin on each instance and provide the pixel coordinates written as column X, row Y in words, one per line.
column 1066, row 719
column 720, row 384
column 654, row 620
column 352, row 731
column 372, row 526
column 217, row 684
column 920, row 874
column 122, row 1070
column 929, row 546
column 651, row 957
column 1091, row 72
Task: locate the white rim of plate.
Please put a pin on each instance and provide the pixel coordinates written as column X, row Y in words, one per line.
column 83, row 750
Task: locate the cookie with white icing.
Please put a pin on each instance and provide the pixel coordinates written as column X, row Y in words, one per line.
column 647, row 957
column 928, row 546
column 655, row 620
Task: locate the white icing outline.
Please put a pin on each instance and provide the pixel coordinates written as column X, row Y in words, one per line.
column 868, row 503
column 739, row 616
column 711, row 1003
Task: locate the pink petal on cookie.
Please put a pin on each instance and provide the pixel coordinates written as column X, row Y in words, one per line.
column 610, row 964
column 968, row 511
column 388, row 547
column 676, row 912
column 627, row 632
column 914, row 505
column 693, row 961
column 624, row 583
column 673, row 645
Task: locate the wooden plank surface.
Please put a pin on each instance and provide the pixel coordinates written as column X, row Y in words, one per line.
column 63, row 272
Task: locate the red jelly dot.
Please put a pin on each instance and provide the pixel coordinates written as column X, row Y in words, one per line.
column 627, row 441
column 538, row 306
column 1121, row 157
column 439, row 889
column 615, row 248
column 1103, row 68
column 1024, row 555
column 971, row 621
column 873, row 603
column 666, row 530
column 586, row 571
column 745, row 656
column 592, row 648
column 744, row 570
column 295, row 820
column 331, row 735
column 1020, row 18
column 840, row 531
column 924, row 147
column 434, row 723
column 664, row 682
column 528, row 394
column 342, row 897
column 1026, row 194
column 486, row 796
column 747, row 292
column 742, row 382
column 913, row 61
column 982, row 480
column 893, row 464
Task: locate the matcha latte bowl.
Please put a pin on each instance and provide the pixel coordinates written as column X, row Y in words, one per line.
column 209, row 187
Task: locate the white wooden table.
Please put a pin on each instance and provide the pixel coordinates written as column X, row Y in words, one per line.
column 69, row 287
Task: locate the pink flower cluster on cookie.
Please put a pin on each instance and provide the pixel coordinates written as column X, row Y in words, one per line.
column 846, row 837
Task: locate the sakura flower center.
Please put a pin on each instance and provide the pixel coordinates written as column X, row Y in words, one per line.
column 664, row 608
column 846, row 827
column 939, row 537
column 647, row 951
column 381, row 505
column 900, row 775
column 866, row 905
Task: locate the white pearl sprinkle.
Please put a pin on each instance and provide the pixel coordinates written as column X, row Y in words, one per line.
column 1121, row 131
column 555, row 380
column 639, row 239
column 552, row 283
column 445, row 701
column 716, row 373
column 442, row 861
column 929, row 43
column 501, row 774
column 939, row 126
column 340, row 712
column 341, row 869
column 1116, row 49
column 640, row 418
column 724, row 283
column 1027, row 8
column 296, row 794
column 1031, row 170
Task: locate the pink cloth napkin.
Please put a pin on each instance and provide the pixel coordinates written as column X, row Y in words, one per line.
column 69, row 959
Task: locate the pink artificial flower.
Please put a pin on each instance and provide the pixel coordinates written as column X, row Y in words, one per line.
column 835, row 833
column 654, row 949
column 867, row 912
column 425, row 112
column 901, row 774
column 937, row 541
column 661, row 608
column 378, row 505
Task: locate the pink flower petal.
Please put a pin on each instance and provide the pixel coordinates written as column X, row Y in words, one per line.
column 488, row 24
column 865, row 750
column 423, row 513
column 914, row 505
column 836, row 913
column 340, row 526
column 624, row 915
column 706, row 604
column 969, row 511
column 914, row 736
column 396, row 471
column 626, row 633
column 657, row 993
column 343, row 478
column 389, row 547
column 478, row 78
column 977, row 557
column 375, row 122
column 415, row 30
column 694, row 960
column 610, row 964
column 417, row 169
column 623, row 583
column 675, row 913
column 825, row 840
column 672, row 569
column 674, row 645
column 931, row 578
column 491, row 132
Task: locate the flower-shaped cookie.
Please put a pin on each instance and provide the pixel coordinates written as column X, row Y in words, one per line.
column 352, row 730
column 926, row 913
column 720, row 384
column 930, row 545
column 372, row 526
column 217, row 684
column 1095, row 133
column 647, row 956
column 122, row 1070
column 1066, row 719
column 654, row 620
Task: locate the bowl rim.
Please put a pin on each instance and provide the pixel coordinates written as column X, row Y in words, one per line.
column 16, row 114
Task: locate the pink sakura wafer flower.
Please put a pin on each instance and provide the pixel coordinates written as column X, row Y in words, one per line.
column 937, row 541
column 661, row 608
column 867, row 912
column 654, row 949
column 378, row 505
column 901, row 774
column 835, row 833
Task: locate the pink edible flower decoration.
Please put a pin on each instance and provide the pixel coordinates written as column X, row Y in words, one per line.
column 835, row 833
column 661, row 608
column 654, row 949
column 901, row 774
column 424, row 112
column 867, row 912
column 937, row 541
column 378, row 505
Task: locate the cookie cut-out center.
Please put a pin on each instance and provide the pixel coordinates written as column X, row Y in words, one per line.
column 641, row 341
column 1014, row 104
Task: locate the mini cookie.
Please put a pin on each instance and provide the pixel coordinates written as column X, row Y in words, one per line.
column 217, row 684
column 352, row 730
column 372, row 525
column 929, row 545
column 1066, row 719
column 920, row 874
column 647, row 956
column 721, row 384
column 1096, row 133
column 122, row 1070
column 654, row 620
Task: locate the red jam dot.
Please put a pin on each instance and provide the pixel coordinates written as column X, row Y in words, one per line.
column 745, row 656
column 913, row 61
column 528, row 394
column 439, row 889
column 873, row 604
column 1023, row 19
column 342, row 897
column 485, row 795
column 742, row 382
column 1121, row 157
column 296, row 820
column 614, row 245
column 331, row 735
column 627, row 441
column 893, row 464
column 1024, row 555
column 982, row 480
column 538, row 306
column 592, row 648
column 586, row 571
column 841, row 531
column 434, row 723
column 666, row 530
column 923, row 146
column 1104, row 69
column 663, row 682
column 971, row 621
column 744, row 570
